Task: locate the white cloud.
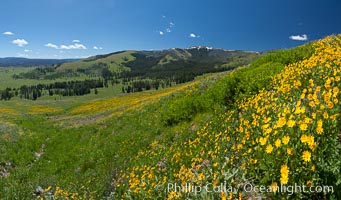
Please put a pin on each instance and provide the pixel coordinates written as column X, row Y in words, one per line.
column 97, row 48
column 161, row 33
column 51, row 45
column 20, row 42
column 303, row 37
column 163, row 16
column 76, row 41
column 192, row 35
column 168, row 30
column 171, row 24
column 8, row 33
column 27, row 50
column 73, row 46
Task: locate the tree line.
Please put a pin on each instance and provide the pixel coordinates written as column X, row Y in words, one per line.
column 66, row 88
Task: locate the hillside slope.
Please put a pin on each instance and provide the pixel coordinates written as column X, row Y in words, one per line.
column 273, row 122
column 156, row 64
column 25, row 62
column 285, row 135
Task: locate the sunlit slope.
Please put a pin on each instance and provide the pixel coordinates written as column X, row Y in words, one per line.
column 89, row 111
column 151, row 62
column 285, row 135
column 99, row 110
column 43, row 142
column 114, row 61
column 263, row 124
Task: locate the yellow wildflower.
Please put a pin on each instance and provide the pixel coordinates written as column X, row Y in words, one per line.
column 269, row 148
column 304, row 127
column 306, row 156
column 278, row 143
column 290, row 151
column 319, row 123
column 325, row 115
column 222, row 195
column 281, row 122
column 284, row 174
column 335, row 91
column 309, row 183
column 312, row 145
column 291, row 123
column 172, row 195
column 274, row 187
column 319, row 130
column 330, row 105
column 285, row 139
column 262, row 141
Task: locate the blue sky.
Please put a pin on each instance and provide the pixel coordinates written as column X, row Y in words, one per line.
column 80, row 28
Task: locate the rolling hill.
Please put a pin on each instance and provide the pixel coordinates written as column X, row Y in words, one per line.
column 26, row 62
column 152, row 64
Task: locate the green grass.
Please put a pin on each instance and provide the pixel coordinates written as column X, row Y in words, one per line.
column 84, row 155
column 6, row 79
column 93, row 154
column 73, row 156
column 114, row 61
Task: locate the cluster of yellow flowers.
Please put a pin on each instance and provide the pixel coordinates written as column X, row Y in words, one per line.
column 62, row 193
column 38, row 109
column 126, row 101
column 266, row 136
column 7, row 111
column 59, row 193
column 284, row 174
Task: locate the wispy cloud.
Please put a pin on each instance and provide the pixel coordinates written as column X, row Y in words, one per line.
column 192, row 35
column 8, row 33
column 27, row 50
column 20, row 42
column 68, row 47
column 168, row 29
column 76, row 41
column 52, row 45
column 97, row 48
column 303, row 37
column 73, row 46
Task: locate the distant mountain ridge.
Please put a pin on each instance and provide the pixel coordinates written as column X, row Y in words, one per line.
column 177, row 65
column 27, row 62
column 169, row 59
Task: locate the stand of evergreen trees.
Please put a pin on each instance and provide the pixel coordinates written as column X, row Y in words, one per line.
column 66, row 88
column 6, row 94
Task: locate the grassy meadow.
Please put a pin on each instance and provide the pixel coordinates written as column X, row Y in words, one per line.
column 274, row 122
